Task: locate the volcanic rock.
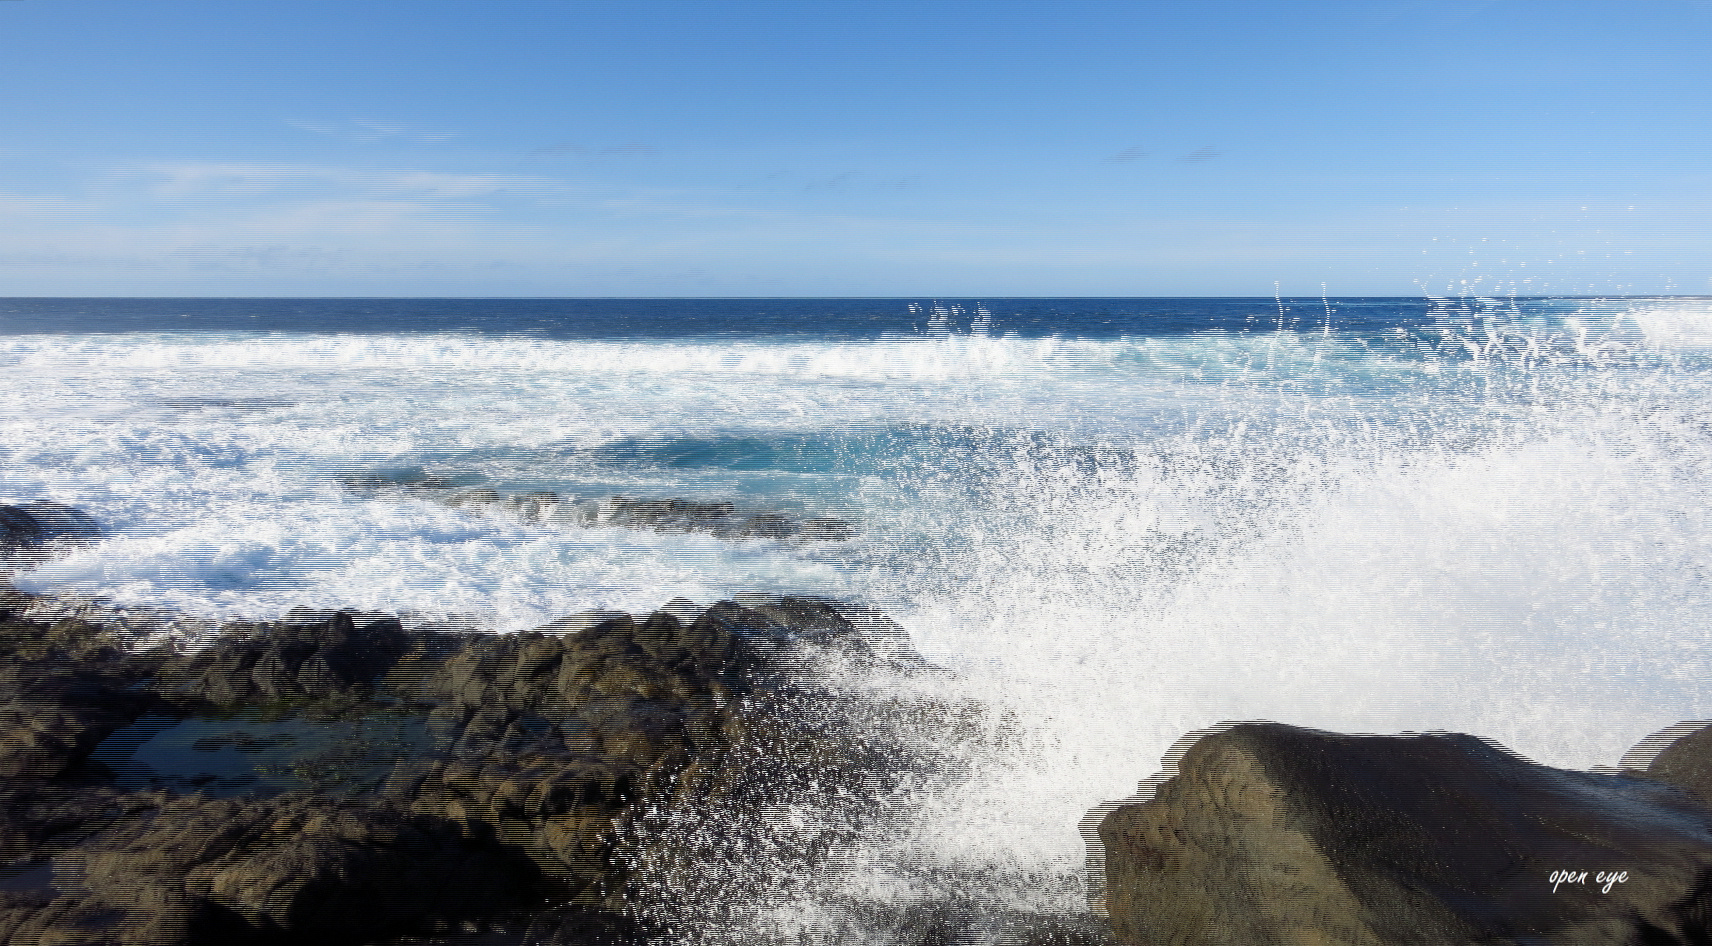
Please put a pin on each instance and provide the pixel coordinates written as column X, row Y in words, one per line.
column 1680, row 755
column 298, row 868
column 1273, row 834
column 536, row 758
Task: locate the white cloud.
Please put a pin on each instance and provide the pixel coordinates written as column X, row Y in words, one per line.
column 366, row 131
column 190, row 180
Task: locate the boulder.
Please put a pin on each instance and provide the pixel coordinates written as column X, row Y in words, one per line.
column 1266, row 833
column 53, row 717
column 1680, row 755
column 28, row 531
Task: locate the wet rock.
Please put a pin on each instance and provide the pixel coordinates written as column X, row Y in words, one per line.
column 536, row 759
column 662, row 513
column 286, row 661
column 32, row 530
column 1268, row 834
column 536, row 506
column 411, row 479
column 193, row 870
column 473, row 499
column 722, row 519
column 1680, row 755
column 825, row 529
column 581, row 621
column 54, row 714
column 676, row 514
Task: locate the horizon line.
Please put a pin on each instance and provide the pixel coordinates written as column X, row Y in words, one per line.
column 885, row 298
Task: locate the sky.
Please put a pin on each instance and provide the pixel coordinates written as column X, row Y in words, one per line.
column 644, row 148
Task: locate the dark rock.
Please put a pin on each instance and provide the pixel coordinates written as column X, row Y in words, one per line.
column 721, row 519
column 475, row 498
column 764, row 525
column 537, row 758
column 313, row 661
column 1680, row 755
column 825, row 529
column 675, row 514
column 1272, row 834
column 29, row 531
column 410, row 479
column 54, row 715
column 534, row 507
column 192, row 870
column 662, row 513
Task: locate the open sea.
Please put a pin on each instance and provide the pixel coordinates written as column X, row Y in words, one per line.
column 1116, row 520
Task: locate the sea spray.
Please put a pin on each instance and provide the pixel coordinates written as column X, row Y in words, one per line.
column 1484, row 515
column 1512, row 545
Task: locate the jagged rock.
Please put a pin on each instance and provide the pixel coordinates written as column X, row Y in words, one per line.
column 194, row 870
column 539, row 753
column 287, row 661
column 473, row 498
column 63, row 688
column 536, row 506
column 1272, row 834
column 55, row 716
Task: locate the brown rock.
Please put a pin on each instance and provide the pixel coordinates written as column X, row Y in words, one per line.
column 1680, row 756
column 1273, row 834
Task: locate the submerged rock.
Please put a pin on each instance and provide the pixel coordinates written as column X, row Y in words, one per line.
column 410, row 479
column 725, row 520
column 1272, row 834
column 720, row 519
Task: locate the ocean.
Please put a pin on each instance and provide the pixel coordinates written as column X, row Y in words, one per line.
column 1115, row 521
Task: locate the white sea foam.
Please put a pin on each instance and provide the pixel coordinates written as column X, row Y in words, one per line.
column 1524, row 558
column 1490, row 523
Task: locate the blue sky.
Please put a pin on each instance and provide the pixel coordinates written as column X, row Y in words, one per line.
column 868, row 149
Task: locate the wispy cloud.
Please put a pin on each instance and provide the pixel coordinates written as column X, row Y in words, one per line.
column 1203, row 154
column 1126, row 156
column 361, row 130
column 632, row 149
column 212, row 180
column 45, row 204
column 844, row 179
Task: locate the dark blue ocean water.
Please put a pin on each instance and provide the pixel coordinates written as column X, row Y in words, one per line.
column 823, row 318
column 675, row 318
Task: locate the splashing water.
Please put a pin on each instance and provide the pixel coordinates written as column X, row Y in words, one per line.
column 1506, row 536
column 1482, row 515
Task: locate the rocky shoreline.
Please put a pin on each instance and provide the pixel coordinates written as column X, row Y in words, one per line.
column 430, row 781
column 338, row 778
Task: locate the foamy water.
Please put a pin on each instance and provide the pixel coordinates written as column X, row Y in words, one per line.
column 1492, row 519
